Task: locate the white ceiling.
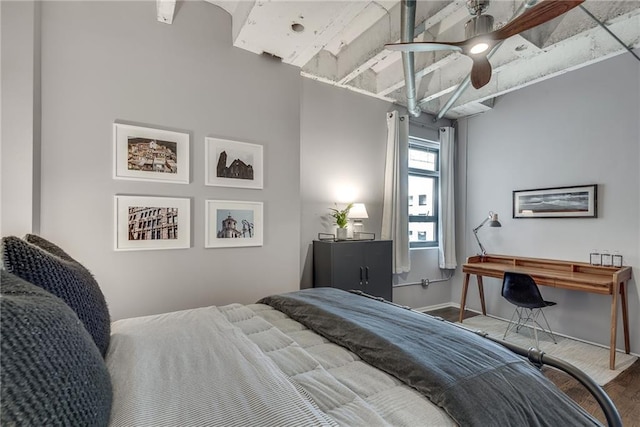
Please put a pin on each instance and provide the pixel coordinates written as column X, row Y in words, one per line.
column 342, row 44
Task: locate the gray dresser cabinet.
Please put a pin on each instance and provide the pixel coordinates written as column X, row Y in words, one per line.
column 364, row 265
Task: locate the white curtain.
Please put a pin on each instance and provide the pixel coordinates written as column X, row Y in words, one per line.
column 447, row 212
column 395, row 212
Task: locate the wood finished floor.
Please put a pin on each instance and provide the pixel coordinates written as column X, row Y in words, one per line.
column 624, row 390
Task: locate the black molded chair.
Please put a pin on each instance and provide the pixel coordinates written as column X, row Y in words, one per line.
column 522, row 291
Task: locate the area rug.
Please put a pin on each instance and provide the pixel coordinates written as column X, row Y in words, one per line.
column 592, row 359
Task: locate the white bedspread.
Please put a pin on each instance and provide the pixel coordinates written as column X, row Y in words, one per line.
column 249, row 366
column 194, row 368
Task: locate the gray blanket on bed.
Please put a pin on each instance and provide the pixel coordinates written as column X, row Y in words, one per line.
column 477, row 382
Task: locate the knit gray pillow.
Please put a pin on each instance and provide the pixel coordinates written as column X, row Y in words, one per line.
column 51, row 371
column 46, row 265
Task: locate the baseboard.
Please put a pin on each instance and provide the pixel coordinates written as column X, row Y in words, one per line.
column 437, row 307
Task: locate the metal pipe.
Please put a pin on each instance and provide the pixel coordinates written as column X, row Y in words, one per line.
column 407, row 30
column 465, row 83
column 610, row 32
column 424, row 282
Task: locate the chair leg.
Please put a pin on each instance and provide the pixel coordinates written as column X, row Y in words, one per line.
column 548, row 330
column 528, row 316
column 512, row 324
column 535, row 334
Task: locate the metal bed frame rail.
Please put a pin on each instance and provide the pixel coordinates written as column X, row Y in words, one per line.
column 538, row 358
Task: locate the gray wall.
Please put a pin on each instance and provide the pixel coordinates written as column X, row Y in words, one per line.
column 20, row 115
column 109, row 61
column 579, row 128
column 342, row 157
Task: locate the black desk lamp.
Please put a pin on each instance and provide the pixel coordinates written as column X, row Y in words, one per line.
column 493, row 218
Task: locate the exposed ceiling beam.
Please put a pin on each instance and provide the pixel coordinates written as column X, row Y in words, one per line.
column 166, row 10
column 341, row 42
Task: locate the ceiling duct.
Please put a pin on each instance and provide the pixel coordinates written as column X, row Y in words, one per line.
column 407, row 29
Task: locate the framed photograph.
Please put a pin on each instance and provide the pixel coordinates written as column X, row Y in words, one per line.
column 146, row 223
column 232, row 163
column 231, row 224
column 560, row 202
column 147, row 154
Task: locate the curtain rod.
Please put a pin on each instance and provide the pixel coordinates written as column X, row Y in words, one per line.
column 424, row 125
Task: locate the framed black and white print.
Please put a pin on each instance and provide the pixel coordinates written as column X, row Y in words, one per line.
column 147, row 154
column 560, row 202
column 233, row 164
column 231, row 224
column 147, row 223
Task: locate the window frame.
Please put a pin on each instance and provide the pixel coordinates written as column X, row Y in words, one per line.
column 431, row 146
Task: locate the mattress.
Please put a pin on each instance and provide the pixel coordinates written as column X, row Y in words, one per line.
column 249, row 365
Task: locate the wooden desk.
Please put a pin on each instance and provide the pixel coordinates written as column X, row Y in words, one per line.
column 576, row 276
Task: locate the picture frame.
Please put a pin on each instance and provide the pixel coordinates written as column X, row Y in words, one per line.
column 559, row 202
column 232, row 224
column 233, row 163
column 147, row 154
column 149, row 223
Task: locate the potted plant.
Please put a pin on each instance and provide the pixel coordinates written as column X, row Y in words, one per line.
column 341, row 218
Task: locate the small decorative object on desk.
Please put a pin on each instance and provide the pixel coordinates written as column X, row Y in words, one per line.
column 595, row 258
column 606, row 259
column 617, row 259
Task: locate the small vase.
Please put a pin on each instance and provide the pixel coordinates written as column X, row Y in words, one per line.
column 341, row 234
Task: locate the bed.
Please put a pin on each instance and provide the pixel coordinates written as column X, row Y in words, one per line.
column 313, row 357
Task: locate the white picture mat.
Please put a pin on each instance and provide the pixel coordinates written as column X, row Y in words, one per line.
column 121, row 215
column 249, row 153
column 212, row 226
column 121, row 135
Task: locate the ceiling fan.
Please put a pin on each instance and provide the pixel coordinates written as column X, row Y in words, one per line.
column 481, row 39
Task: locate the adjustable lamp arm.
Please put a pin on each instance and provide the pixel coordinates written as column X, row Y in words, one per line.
column 483, row 251
column 493, row 217
column 475, row 230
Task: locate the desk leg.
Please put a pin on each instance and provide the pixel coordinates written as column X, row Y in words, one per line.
column 614, row 325
column 625, row 317
column 481, row 292
column 463, row 301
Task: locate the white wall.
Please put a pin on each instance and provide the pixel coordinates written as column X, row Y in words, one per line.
column 108, row 61
column 20, row 115
column 579, row 128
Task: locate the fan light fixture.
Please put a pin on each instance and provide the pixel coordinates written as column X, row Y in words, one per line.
column 479, row 48
column 481, row 37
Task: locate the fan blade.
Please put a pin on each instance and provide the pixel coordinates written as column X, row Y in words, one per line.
column 538, row 14
column 422, row 46
column 481, row 71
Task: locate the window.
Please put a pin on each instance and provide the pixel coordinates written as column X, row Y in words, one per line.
column 424, row 186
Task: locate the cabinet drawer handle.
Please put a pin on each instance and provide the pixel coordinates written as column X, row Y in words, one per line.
column 361, row 275
column 366, row 282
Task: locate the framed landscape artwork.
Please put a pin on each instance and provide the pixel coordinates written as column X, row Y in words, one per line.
column 233, row 164
column 230, row 224
column 147, row 154
column 559, row 202
column 146, row 223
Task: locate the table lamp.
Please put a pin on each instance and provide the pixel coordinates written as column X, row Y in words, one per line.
column 493, row 218
column 357, row 213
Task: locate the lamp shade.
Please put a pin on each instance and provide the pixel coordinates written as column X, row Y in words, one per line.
column 493, row 220
column 358, row 211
